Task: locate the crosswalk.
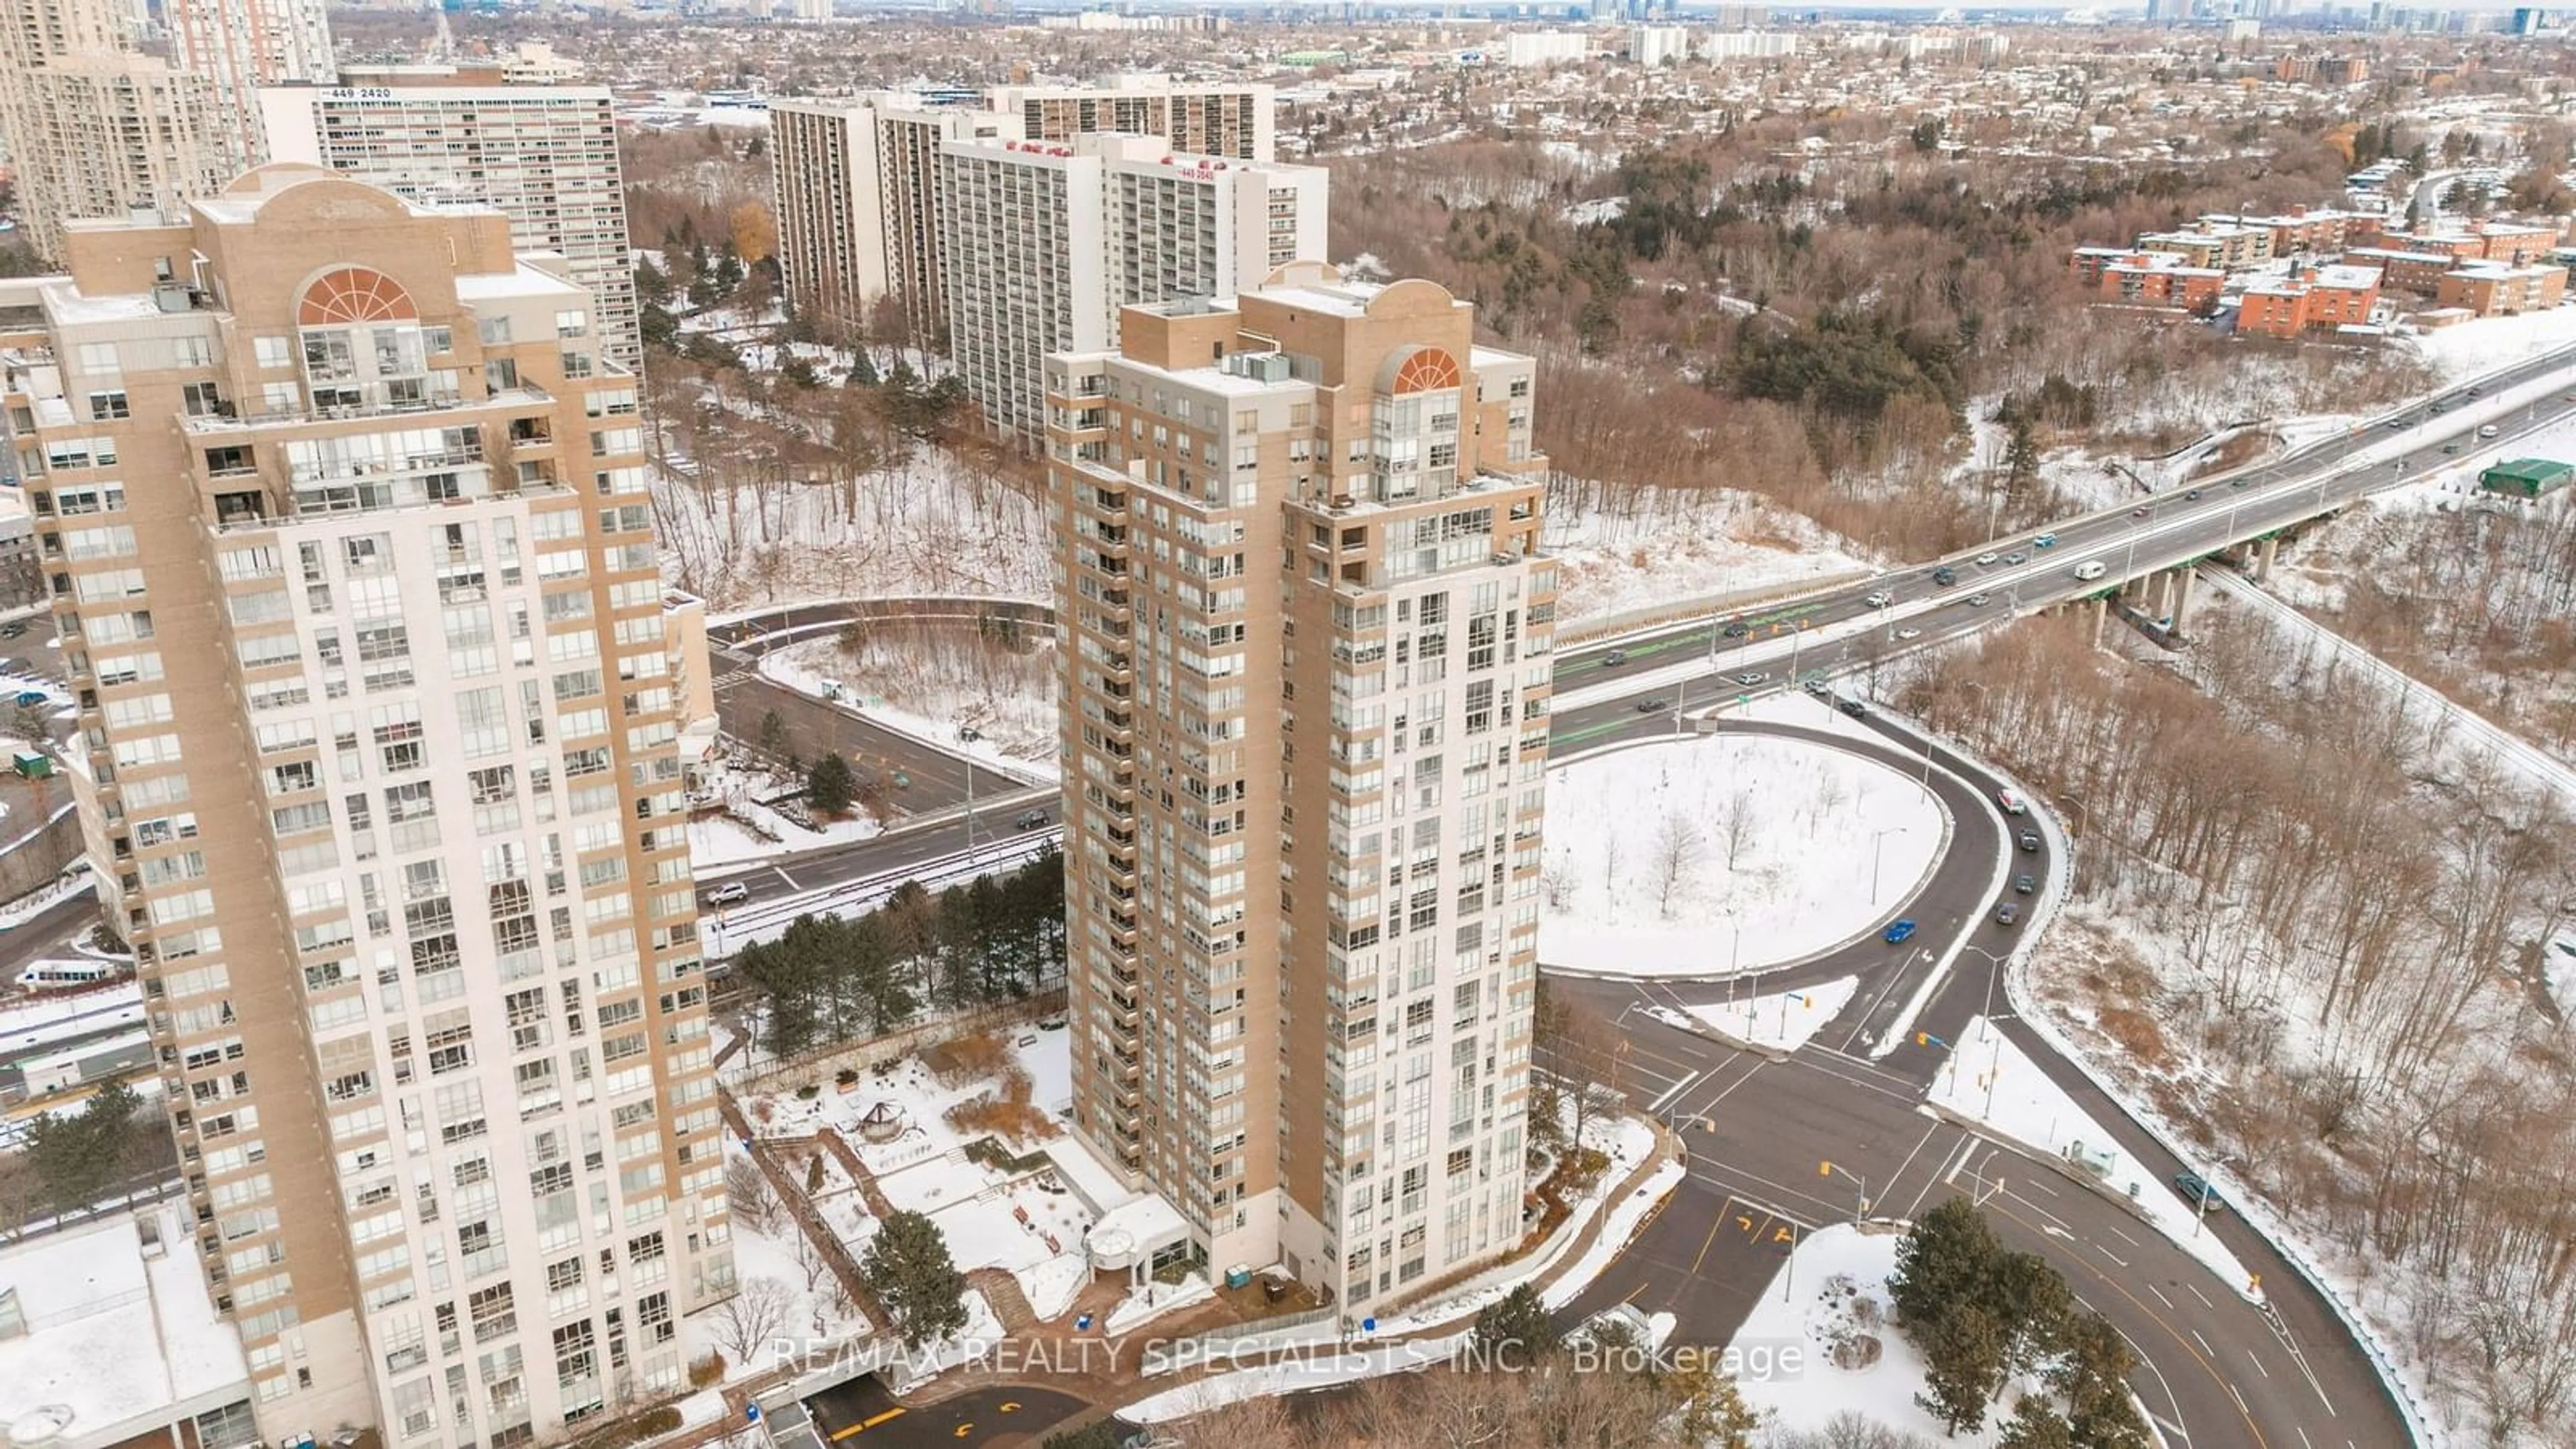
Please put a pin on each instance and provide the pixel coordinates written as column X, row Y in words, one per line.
column 732, row 677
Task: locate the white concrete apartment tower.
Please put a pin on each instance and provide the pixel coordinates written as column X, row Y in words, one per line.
column 350, row 545
column 1304, row 714
column 97, row 128
column 1048, row 241
column 544, row 155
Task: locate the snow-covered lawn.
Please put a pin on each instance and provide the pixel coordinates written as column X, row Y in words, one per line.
column 1828, row 1300
column 1030, row 1224
column 1721, row 853
column 1990, row 1080
column 1633, row 546
column 1782, row 1020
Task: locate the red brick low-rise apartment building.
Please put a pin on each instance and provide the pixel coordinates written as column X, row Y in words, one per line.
column 2318, row 297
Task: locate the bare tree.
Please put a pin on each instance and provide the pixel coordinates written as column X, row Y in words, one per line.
column 747, row 1322
column 1676, row 860
column 1737, row 824
column 755, row 1203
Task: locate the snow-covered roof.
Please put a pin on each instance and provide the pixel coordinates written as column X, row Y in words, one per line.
column 122, row 1337
column 523, row 281
column 2344, row 275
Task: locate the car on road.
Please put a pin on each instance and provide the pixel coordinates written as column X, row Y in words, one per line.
column 2030, row 840
column 1815, row 687
column 2450, row 448
column 2473, row 391
column 1909, row 633
column 2397, row 423
column 2007, row 913
column 13, row 629
column 1879, row 599
column 1977, row 601
column 2241, row 482
column 2197, row 1190
column 1986, row 560
column 2012, row 801
column 1749, row 678
column 1855, row 707
column 1945, row 576
column 2016, row 556
column 2045, row 540
column 729, row 893
column 1615, row 656
column 2191, row 495
column 2023, row 885
column 2137, row 513
column 1736, row 629
column 1899, row 931
column 969, row 735
column 1650, row 706
column 2488, row 431
column 1031, row 820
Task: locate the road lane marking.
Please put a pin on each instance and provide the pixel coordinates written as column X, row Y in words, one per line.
column 2204, row 1343
column 1706, row 1243
column 2194, row 1289
column 2160, row 1295
column 2258, row 1364
column 2123, row 1237
column 783, row 875
column 2208, row 1367
column 1675, row 1090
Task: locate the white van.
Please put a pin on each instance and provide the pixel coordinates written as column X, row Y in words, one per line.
column 2012, row 802
column 2092, row 570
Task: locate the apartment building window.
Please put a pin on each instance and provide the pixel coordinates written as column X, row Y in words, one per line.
column 107, row 405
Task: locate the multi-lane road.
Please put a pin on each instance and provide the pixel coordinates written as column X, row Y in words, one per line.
column 1823, row 631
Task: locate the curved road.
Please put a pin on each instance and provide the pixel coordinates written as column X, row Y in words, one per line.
column 2217, row 1371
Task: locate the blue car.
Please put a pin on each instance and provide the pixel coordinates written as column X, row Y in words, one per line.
column 2198, row 1193
column 1899, row 931
column 2045, row 540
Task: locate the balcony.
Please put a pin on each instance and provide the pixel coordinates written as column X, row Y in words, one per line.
column 1122, row 929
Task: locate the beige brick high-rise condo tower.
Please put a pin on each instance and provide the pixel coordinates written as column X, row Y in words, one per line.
column 1306, row 625
column 346, row 525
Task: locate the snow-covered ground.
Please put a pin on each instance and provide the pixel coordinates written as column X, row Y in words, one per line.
column 1633, row 546
column 935, row 687
column 1829, row 1298
column 1779, row 1020
column 1028, row 751
column 1030, row 1224
column 1990, row 1080
column 728, row 826
column 930, row 525
column 1709, row 855
column 2467, row 348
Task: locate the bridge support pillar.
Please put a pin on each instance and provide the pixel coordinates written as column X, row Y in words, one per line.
column 2270, row 555
column 2101, row 616
column 2182, row 599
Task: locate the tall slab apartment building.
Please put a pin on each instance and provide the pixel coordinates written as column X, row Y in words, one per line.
column 860, row 192
column 1304, row 717
column 349, row 541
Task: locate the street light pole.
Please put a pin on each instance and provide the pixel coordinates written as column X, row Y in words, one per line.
column 1877, row 841
column 1860, row 1199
